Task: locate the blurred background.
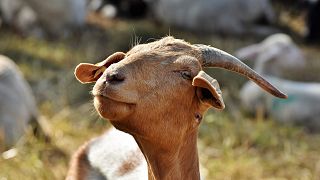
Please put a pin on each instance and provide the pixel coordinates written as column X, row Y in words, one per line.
column 255, row 137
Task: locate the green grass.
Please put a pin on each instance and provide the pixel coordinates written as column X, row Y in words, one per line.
column 231, row 145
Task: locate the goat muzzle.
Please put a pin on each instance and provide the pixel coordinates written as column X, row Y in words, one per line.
column 213, row 57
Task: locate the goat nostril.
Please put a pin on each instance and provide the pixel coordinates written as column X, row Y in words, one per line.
column 114, row 78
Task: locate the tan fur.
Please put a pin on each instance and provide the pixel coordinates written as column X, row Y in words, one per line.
column 156, row 102
column 79, row 164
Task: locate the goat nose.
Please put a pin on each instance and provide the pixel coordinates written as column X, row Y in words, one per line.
column 115, row 77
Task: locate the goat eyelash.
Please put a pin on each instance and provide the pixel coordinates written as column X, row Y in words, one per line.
column 186, row 74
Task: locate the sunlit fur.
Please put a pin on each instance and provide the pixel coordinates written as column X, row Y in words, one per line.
column 156, row 105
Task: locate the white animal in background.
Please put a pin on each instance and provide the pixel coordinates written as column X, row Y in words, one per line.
column 59, row 16
column 38, row 17
column 235, row 17
column 275, row 56
column 301, row 108
column 17, row 104
column 160, row 105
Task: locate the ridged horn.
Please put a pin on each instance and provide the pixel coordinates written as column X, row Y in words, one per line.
column 213, row 57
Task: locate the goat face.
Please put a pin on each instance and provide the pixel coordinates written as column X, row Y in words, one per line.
column 149, row 83
column 160, row 86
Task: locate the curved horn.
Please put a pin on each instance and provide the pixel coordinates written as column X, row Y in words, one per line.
column 213, row 57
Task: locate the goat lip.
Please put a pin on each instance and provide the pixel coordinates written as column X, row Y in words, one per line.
column 110, row 98
column 105, row 97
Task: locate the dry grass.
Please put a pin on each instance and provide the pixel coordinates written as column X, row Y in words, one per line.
column 241, row 148
column 257, row 149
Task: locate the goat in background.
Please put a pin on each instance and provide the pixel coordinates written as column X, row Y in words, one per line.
column 17, row 104
column 273, row 58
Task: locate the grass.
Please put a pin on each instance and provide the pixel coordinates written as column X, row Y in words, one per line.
column 232, row 145
column 257, row 149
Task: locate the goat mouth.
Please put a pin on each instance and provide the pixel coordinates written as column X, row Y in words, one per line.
column 105, row 97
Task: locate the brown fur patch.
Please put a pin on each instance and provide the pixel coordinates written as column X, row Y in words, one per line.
column 134, row 159
column 79, row 164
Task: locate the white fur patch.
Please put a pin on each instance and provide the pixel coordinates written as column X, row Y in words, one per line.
column 108, row 153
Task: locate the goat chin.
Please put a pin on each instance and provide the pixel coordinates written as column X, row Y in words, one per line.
column 111, row 109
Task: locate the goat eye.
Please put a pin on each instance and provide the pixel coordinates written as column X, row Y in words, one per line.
column 186, row 74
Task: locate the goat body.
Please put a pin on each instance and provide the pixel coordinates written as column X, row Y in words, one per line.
column 100, row 153
column 17, row 105
column 143, row 102
column 276, row 55
column 301, row 107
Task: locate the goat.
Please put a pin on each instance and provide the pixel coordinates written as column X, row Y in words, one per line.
column 157, row 93
column 230, row 17
column 301, row 107
column 276, row 56
column 17, row 105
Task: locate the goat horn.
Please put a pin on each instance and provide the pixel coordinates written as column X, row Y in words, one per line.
column 213, row 57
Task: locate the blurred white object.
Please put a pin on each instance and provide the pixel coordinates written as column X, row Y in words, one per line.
column 109, row 11
column 11, row 153
column 54, row 16
column 275, row 56
column 21, row 17
column 17, row 105
column 223, row 16
column 10, row 8
column 58, row 16
column 302, row 106
column 105, row 156
column 94, row 5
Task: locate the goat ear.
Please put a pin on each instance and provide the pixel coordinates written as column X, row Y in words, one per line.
column 88, row 73
column 208, row 90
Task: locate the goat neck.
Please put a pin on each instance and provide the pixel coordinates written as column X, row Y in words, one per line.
column 179, row 162
column 170, row 150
